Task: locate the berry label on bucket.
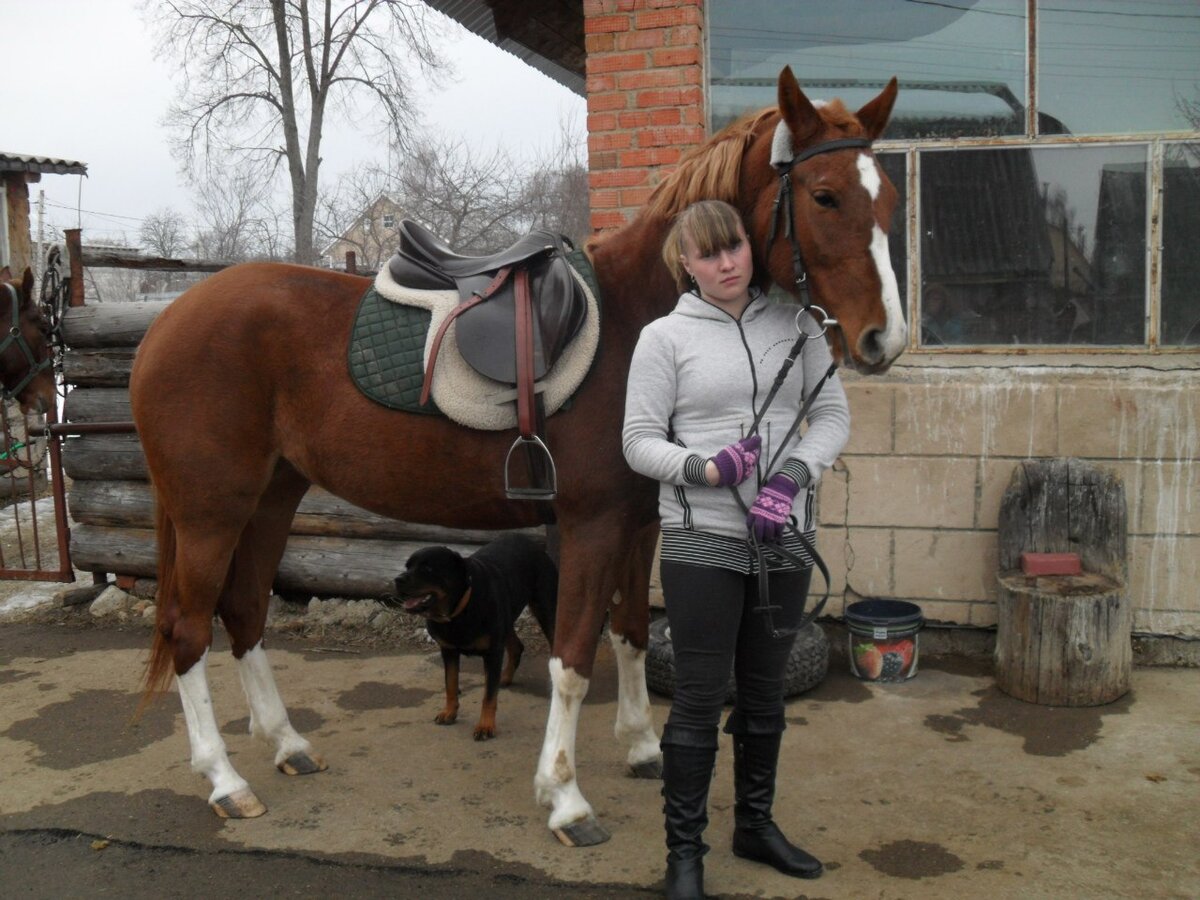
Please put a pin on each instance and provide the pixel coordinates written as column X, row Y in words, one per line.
column 884, row 661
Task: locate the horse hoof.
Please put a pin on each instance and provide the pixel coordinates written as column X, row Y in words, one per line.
column 302, row 764
column 651, row 768
column 238, row 805
column 584, row 833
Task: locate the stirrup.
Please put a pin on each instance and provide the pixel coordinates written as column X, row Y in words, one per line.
column 533, row 492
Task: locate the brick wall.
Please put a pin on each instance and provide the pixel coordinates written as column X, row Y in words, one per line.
column 645, row 98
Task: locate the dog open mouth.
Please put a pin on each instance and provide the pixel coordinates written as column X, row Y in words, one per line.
column 419, row 603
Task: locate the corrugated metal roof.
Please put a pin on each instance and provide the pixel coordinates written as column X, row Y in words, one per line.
column 19, row 162
column 476, row 16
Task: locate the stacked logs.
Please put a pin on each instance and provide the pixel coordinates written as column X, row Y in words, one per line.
column 335, row 548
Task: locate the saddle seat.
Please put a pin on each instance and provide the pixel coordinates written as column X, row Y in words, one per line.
column 487, row 332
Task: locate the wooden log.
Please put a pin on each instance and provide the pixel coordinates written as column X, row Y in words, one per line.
column 100, row 259
column 1064, row 506
column 1064, row 640
column 322, row 566
column 97, row 404
column 104, row 457
column 130, row 504
column 110, row 324
column 101, row 367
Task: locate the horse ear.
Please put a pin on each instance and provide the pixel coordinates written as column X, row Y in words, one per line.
column 802, row 118
column 27, row 284
column 874, row 116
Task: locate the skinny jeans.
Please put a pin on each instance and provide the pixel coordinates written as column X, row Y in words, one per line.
column 714, row 626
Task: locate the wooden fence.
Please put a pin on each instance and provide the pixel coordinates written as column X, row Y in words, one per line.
column 335, row 548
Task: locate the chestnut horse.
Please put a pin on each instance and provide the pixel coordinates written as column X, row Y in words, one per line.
column 26, row 354
column 242, row 399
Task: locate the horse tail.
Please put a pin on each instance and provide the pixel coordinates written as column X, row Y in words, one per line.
column 160, row 666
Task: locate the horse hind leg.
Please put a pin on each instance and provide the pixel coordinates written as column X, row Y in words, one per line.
column 629, row 627
column 243, row 610
column 187, row 601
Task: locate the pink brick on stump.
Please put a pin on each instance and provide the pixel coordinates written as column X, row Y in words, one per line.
column 1051, row 564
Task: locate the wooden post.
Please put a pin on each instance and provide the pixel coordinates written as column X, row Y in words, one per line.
column 75, row 260
column 1064, row 640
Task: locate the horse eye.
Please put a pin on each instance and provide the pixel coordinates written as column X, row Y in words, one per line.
column 825, row 199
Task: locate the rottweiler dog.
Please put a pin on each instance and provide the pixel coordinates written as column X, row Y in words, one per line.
column 470, row 606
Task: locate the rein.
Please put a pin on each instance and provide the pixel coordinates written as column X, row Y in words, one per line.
column 783, row 210
column 14, row 336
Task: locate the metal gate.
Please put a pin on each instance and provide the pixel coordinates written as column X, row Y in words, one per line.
column 34, row 537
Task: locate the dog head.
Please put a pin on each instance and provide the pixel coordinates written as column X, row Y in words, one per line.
column 432, row 584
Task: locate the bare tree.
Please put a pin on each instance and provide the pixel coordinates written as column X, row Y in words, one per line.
column 557, row 187
column 261, row 78
column 475, row 203
column 164, row 233
column 237, row 221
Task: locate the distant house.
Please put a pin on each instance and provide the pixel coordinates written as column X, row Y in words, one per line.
column 17, row 172
column 372, row 237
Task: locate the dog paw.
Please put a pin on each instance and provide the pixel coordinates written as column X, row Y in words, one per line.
column 446, row 717
column 485, row 732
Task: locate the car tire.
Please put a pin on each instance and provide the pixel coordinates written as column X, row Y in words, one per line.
column 807, row 665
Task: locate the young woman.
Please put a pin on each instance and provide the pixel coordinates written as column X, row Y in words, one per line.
column 698, row 378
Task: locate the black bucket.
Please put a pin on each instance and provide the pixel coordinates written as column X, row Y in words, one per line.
column 884, row 639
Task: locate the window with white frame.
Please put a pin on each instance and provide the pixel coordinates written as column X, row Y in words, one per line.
column 1047, row 154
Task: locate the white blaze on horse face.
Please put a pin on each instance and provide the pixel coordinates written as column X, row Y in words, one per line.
column 634, row 725
column 208, row 750
column 268, row 716
column 554, row 784
column 895, row 334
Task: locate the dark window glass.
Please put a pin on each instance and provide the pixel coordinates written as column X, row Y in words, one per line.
column 893, row 165
column 1180, row 240
column 1033, row 246
column 1118, row 66
column 961, row 65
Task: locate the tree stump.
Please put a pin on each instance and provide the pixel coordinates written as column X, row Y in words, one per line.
column 1064, row 640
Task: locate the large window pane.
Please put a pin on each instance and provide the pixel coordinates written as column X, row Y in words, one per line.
column 1180, row 240
column 1033, row 246
column 961, row 65
column 1115, row 66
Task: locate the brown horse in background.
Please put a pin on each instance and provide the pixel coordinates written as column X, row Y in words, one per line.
column 26, row 352
column 242, row 399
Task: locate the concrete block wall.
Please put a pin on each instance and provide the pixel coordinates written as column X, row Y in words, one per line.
column 911, row 509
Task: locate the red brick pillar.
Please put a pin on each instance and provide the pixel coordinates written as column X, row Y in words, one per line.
column 645, row 97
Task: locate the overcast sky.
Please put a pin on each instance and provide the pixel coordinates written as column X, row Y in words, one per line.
column 82, row 83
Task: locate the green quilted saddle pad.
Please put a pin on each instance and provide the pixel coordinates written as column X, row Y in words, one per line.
column 386, row 355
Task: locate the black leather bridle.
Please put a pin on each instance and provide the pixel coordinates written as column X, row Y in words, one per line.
column 783, row 210
column 15, row 336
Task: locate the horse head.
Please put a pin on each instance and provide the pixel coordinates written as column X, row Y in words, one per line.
column 26, row 354
column 818, row 207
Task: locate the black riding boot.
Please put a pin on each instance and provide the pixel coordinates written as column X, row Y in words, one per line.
column 687, row 774
column 755, row 834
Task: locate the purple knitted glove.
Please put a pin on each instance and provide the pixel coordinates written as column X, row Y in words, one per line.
column 736, row 462
column 772, row 507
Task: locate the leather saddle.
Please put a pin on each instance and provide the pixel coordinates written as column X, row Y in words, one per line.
column 518, row 310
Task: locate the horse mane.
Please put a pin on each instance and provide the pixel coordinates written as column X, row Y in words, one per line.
column 713, row 170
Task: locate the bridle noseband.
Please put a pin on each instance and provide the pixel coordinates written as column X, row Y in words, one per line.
column 15, row 336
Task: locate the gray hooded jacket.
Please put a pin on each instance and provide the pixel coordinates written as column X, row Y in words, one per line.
column 697, row 378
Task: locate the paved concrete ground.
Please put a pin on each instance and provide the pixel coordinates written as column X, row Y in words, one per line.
column 938, row 788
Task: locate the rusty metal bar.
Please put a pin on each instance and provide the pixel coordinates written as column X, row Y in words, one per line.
column 70, row 429
column 66, row 571
column 74, row 243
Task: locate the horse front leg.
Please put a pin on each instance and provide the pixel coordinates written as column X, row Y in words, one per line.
column 629, row 630
column 586, row 562
column 269, row 719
